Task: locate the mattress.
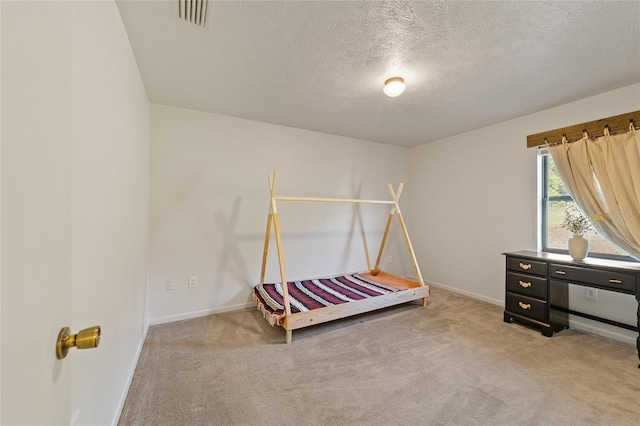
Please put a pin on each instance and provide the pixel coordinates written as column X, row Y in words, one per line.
column 305, row 295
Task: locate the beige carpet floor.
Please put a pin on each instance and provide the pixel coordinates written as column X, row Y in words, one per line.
column 454, row 362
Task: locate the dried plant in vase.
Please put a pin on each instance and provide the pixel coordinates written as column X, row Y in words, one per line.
column 576, row 223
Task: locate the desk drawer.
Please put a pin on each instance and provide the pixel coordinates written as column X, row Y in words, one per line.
column 607, row 279
column 527, row 284
column 527, row 306
column 527, row 266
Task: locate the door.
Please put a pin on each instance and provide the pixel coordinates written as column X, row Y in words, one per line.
column 35, row 210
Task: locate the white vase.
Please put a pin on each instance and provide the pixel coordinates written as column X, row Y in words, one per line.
column 578, row 247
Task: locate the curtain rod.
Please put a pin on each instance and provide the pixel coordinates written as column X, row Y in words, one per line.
column 615, row 124
column 592, row 137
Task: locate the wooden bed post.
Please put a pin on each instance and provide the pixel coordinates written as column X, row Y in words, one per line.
column 410, row 247
column 395, row 198
column 273, row 216
column 376, row 267
column 267, row 235
column 285, row 286
column 396, row 210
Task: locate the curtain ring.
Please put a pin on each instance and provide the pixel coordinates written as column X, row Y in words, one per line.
column 564, row 138
column 585, row 135
column 631, row 126
column 606, row 130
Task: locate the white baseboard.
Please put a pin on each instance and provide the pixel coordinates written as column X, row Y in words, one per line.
column 573, row 324
column 603, row 332
column 196, row 314
column 132, row 371
column 466, row 293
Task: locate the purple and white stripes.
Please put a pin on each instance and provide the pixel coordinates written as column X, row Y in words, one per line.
column 316, row 293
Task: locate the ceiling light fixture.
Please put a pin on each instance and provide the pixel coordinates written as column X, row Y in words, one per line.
column 394, row 87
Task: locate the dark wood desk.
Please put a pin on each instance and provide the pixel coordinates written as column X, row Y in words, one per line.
column 537, row 292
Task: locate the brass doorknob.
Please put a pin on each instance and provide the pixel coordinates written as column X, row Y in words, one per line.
column 85, row 339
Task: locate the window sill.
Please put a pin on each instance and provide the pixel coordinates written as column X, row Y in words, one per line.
column 595, row 255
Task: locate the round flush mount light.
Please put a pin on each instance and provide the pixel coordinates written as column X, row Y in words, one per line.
column 394, row 87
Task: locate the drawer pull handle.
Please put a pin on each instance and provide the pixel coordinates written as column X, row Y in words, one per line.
column 524, row 284
column 525, row 266
column 524, row 305
column 615, row 281
column 561, row 272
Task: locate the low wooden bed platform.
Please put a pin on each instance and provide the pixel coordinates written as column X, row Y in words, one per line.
column 303, row 303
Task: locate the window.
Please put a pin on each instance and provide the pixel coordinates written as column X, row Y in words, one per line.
column 555, row 200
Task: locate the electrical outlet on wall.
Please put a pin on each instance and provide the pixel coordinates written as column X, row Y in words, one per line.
column 591, row 293
column 193, row 281
column 170, row 285
column 389, row 259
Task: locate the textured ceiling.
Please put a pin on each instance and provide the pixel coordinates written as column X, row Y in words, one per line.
column 320, row 65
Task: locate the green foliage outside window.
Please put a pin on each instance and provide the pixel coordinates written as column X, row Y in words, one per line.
column 555, row 185
column 555, row 205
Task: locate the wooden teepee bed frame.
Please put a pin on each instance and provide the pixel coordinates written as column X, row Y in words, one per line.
column 405, row 293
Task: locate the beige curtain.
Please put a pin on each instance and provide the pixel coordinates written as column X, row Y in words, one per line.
column 603, row 177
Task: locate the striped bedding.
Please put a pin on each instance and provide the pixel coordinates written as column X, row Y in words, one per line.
column 316, row 293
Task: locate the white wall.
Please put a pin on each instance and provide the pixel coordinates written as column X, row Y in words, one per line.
column 75, row 195
column 109, row 209
column 209, row 205
column 475, row 198
column 468, row 199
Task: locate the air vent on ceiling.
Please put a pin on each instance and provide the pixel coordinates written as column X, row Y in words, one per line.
column 193, row 11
